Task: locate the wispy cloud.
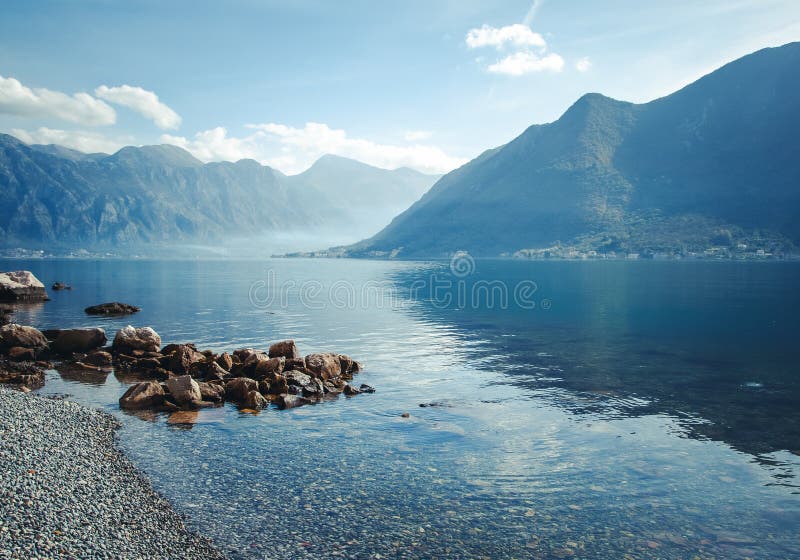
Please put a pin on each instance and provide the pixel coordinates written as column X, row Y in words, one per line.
column 20, row 100
column 417, row 135
column 517, row 35
column 583, row 64
column 142, row 101
column 294, row 149
column 521, row 63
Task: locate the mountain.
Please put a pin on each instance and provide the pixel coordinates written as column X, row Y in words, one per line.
column 713, row 165
column 369, row 195
column 54, row 197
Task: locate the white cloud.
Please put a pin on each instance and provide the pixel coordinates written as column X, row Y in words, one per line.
column 142, row 101
column 417, row 135
column 524, row 62
column 81, row 140
column 19, row 100
column 583, row 64
column 293, row 150
column 518, row 35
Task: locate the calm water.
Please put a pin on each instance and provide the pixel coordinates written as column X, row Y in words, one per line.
column 642, row 408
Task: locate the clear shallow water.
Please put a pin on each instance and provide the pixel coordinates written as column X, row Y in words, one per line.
column 647, row 409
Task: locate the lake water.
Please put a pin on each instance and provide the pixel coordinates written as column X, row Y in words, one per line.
column 582, row 409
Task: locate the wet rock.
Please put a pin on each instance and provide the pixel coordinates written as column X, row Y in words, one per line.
column 285, row 349
column 113, row 308
column 269, row 367
column 406, row 415
column 238, row 388
column 255, row 400
column 19, row 335
column 68, row 341
column 290, row 401
column 147, row 394
column 325, row 366
column 21, row 285
column 366, row 388
column 184, row 389
column 295, row 363
column 211, row 392
column 278, row 385
column 58, row 286
column 21, row 354
column 350, row 391
column 98, row 358
column 224, row 361
column 131, row 339
column 22, row 374
column 349, row 366
column 297, row 378
column 182, row 358
column 208, row 371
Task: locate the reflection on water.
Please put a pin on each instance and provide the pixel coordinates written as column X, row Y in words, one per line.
column 638, row 415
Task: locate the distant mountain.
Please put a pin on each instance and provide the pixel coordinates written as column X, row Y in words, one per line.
column 54, row 197
column 716, row 164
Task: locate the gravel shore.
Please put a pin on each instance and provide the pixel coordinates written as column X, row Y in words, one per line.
column 67, row 491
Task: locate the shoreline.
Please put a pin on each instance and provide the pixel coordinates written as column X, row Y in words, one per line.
column 69, row 490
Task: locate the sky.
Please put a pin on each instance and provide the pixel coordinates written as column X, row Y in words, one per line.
column 424, row 84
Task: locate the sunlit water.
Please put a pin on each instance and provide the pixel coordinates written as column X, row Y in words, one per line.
column 642, row 408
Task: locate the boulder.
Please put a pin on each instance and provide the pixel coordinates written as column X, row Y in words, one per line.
column 19, row 335
column 237, row 389
column 21, row 354
column 295, row 363
column 58, row 286
column 208, row 371
column 255, row 401
column 67, row 341
column 224, row 361
column 267, row 368
column 324, row 366
column 285, row 348
column 290, row 401
column 113, row 308
column 21, row 285
column 142, row 338
column 278, row 385
column 181, row 359
column 211, row 392
column 147, row 394
column 98, row 358
column 366, row 388
column 350, row 391
column 348, row 365
column 184, row 389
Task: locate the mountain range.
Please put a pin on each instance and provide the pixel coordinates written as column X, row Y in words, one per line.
column 55, row 197
column 712, row 166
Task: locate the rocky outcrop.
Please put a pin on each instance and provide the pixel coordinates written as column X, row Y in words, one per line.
column 184, row 389
column 21, row 336
column 24, row 375
column 284, row 349
column 131, row 338
column 21, row 286
column 68, row 341
column 113, row 308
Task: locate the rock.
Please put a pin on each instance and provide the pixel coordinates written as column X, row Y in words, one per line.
column 285, row 348
column 130, row 338
column 184, row 389
column 113, row 308
column 224, row 361
column 58, row 286
column 21, row 285
column 366, row 388
column 295, row 363
column 22, row 374
column 269, row 367
column 255, row 400
column 325, row 366
column 278, row 385
column 348, row 365
column 98, row 358
column 19, row 335
column 290, row 401
column 181, row 359
column 21, row 354
column 297, row 378
column 238, row 388
column 147, row 394
column 406, row 415
column 208, row 371
column 350, row 391
column 68, row 341
column 211, row 392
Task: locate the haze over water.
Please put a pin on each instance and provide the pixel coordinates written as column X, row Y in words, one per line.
column 639, row 408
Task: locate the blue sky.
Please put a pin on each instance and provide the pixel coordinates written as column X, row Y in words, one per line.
column 427, row 84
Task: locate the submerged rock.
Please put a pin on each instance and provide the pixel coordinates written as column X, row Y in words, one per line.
column 290, row 401
column 58, row 286
column 142, row 338
column 21, row 286
column 113, row 308
column 23, row 374
column 147, row 394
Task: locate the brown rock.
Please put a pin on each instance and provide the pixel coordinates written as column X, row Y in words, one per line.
column 237, row 389
column 325, row 366
column 98, row 358
column 295, row 363
column 182, row 358
column 19, row 335
column 255, row 400
column 224, row 361
column 269, row 367
column 184, row 389
column 211, row 392
column 113, row 308
column 68, row 341
column 21, row 354
column 147, row 394
column 285, row 348
column 350, row 391
column 22, row 374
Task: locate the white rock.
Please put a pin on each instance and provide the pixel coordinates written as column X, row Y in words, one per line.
column 21, row 285
column 142, row 338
